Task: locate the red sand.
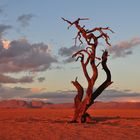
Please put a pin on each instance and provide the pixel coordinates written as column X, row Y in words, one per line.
column 51, row 124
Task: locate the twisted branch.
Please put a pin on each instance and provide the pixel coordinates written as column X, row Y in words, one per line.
column 104, row 35
column 84, row 65
column 78, row 36
column 106, row 83
column 80, row 51
column 75, row 22
column 100, row 29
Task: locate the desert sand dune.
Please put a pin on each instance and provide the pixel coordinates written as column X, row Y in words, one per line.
column 53, row 124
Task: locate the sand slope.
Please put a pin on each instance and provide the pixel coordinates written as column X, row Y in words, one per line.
column 51, row 124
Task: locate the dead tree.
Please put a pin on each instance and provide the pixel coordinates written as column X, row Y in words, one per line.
column 87, row 57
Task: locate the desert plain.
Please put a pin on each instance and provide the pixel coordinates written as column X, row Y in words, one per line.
column 52, row 123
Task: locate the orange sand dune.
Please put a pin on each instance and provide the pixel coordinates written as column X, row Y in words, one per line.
column 52, row 124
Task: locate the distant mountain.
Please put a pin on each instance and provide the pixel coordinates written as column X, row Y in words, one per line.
column 41, row 104
column 22, row 104
column 13, row 104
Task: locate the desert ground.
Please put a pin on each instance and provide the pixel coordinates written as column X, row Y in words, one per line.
column 53, row 124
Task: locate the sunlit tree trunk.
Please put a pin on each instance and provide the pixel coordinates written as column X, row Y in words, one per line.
column 87, row 57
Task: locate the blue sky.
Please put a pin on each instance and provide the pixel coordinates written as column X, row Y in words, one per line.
column 38, row 24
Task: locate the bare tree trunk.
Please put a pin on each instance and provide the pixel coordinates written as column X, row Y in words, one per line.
column 105, row 84
column 81, row 105
column 81, row 114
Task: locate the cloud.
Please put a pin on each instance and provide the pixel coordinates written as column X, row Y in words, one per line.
column 5, row 43
column 7, row 93
column 25, row 19
column 69, row 60
column 119, row 96
column 36, row 90
column 113, row 94
column 121, row 49
column 65, row 96
column 64, row 51
column 107, row 95
column 55, row 97
column 23, row 56
column 67, row 53
column 3, row 29
column 41, row 79
column 124, row 48
column 52, row 95
column 56, row 67
column 7, row 79
column 26, row 79
column 16, row 92
column 1, row 10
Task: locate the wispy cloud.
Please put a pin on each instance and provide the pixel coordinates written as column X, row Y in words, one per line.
column 41, row 79
column 67, row 53
column 1, row 10
column 25, row 19
column 124, row 48
column 4, row 79
column 9, row 93
column 65, row 96
column 119, row 95
column 107, row 95
column 68, row 60
column 3, row 29
column 121, row 49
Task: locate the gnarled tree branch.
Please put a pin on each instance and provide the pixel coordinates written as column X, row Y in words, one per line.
column 84, row 65
column 78, row 36
column 106, row 83
column 100, row 29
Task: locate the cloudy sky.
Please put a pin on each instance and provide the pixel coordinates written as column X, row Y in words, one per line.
column 36, row 47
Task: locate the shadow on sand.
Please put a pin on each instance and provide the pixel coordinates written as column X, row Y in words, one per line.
column 94, row 120
column 114, row 121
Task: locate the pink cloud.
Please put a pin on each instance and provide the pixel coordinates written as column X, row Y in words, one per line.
column 24, row 56
column 124, row 48
column 7, row 79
